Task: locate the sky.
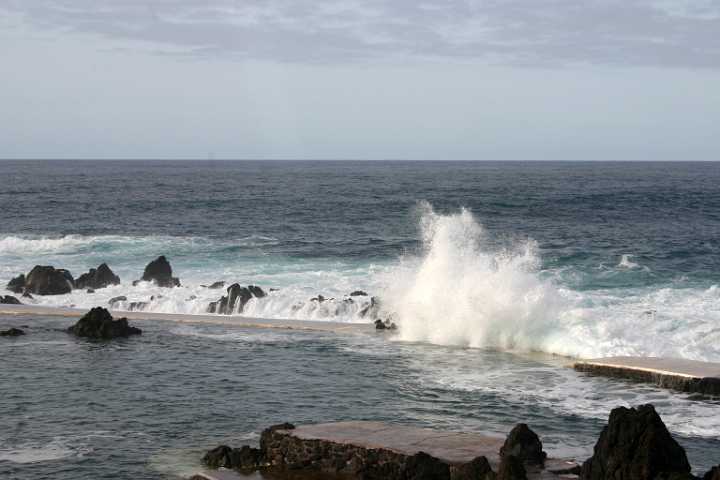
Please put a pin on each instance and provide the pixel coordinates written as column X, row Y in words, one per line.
column 352, row 79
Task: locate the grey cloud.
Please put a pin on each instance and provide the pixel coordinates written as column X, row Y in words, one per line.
column 678, row 33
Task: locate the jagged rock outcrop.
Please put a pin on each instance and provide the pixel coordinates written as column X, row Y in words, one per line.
column 99, row 324
column 9, row 300
column 713, row 474
column 524, row 444
column 384, row 325
column 47, row 280
column 511, row 468
column 159, row 271
column 17, row 284
column 12, row 332
column 371, row 310
column 476, row 469
column 216, row 285
column 236, row 299
column 636, row 445
column 113, row 302
column 97, row 278
column 243, row 458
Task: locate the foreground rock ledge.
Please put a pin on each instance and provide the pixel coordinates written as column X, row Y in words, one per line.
column 374, row 450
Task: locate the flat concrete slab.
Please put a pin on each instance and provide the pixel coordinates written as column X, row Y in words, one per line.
column 235, row 320
column 675, row 373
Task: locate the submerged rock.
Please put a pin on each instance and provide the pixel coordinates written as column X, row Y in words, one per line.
column 385, row 325
column 524, row 444
column 159, row 271
column 636, row 445
column 243, row 458
column 358, row 293
column 17, row 284
column 372, row 309
column 236, row 299
column 98, row 323
column 97, row 278
column 47, row 280
column 10, row 300
column 114, row 300
column 216, row 285
column 12, row 332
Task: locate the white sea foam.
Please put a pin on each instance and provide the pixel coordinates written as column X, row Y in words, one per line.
column 625, row 262
column 57, row 449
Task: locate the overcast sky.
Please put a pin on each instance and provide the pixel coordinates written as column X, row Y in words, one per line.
column 378, row 79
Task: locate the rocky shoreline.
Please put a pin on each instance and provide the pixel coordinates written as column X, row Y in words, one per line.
column 634, row 445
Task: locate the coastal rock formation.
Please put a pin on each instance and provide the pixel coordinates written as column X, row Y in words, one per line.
column 216, row 285
column 636, row 445
column 713, row 474
column 511, row 468
column 159, row 271
column 12, row 332
column 243, row 458
column 47, row 280
column 476, row 469
column 9, row 300
column 524, row 444
column 115, row 300
column 372, row 310
column 235, row 299
column 358, row 293
column 384, row 325
column 17, row 284
column 99, row 324
column 96, row 278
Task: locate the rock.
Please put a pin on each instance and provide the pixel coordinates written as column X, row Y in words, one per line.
column 10, row 300
column 27, row 295
column 46, row 280
column 90, row 290
column 159, row 271
column 218, row 457
column 13, row 332
column 422, row 466
column 511, row 468
column 97, row 278
column 358, row 293
column 98, row 323
column 636, row 445
column 524, row 444
column 114, row 300
column 243, row 458
column 713, row 474
column 372, row 309
column 476, row 469
column 235, row 299
column 135, row 306
column 17, row 284
column 217, row 285
column 385, row 325
column 319, row 299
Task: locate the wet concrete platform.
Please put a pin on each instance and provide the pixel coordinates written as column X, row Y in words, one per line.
column 678, row 374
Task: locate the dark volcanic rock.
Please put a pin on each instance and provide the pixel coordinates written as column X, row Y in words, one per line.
column 243, row 458
column 636, row 445
column 135, row 306
column 524, row 444
column 27, row 295
column 160, row 272
column 13, row 332
column 358, row 293
column 10, row 300
column 384, row 325
column 372, row 309
column 511, row 468
column 114, row 300
column 235, row 299
column 96, row 278
column 422, row 466
column 17, row 284
column 216, row 285
column 45, row 280
column 98, row 323
column 476, row 469
column 713, row 474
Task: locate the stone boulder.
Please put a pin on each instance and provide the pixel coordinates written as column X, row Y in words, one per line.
column 476, row 469
column 96, row 278
column 9, row 300
column 358, row 293
column 422, row 466
column 17, row 284
column 159, row 271
column 216, row 285
column 243, row 458
column 99, row 324
column 46, row 280
column 511, row 468
column 524, row 444
column 236, row 299
column 713, row 474
column 636, row 445
column 116, row 300
column 13, row 332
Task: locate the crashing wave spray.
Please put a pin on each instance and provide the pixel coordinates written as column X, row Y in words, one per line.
column 462, row 292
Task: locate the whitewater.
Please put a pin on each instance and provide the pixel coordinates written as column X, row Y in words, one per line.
column 461, row 286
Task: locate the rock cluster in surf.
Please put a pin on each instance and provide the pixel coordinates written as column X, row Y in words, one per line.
column 97, row 278
column 236, row 299
column 159, row 272
column 634, row 445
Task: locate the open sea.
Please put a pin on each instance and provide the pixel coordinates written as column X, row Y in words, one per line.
column 495, row 273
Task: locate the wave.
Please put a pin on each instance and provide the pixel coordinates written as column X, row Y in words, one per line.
column 625, row 262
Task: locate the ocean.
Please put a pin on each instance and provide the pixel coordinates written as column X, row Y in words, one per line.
column 487, row 268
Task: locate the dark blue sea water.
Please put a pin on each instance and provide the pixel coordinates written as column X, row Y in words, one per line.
column 477, row 263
